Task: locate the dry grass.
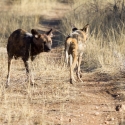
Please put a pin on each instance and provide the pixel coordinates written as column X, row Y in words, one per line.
column 23, row 14
column 26, row 7
column 53, row 101
column 25, row 104
column 105, row 47
column 21, row 103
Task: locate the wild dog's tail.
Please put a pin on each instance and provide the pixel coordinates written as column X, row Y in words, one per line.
column 67, row 45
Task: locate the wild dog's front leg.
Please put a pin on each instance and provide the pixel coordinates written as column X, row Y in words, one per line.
column 74, row 55
column 78, row 71
column 8, row 76
column 30, row 77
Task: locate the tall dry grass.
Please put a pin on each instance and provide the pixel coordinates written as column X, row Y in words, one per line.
column 22, row 104
column 27, row 7
column 29, row 105
column 22, row 14
column 105, row 47
column 25, row 105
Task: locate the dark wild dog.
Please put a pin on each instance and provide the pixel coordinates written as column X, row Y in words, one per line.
column 24, row 44
column 74, row 47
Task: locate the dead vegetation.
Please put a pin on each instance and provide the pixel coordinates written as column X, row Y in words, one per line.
column 106, row 32
column 53, row 100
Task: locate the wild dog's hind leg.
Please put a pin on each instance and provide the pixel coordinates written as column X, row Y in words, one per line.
column 72, row 68
column 70, row 60
column 79, row 75
column 66, row 57
column 67, row 45
column 9, row 68
column 74, row 53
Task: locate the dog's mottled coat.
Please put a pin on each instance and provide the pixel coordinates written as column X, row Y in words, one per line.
column 24, row 44
column 74, row 47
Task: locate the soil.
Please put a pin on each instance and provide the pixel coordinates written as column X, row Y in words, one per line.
column 99, row 100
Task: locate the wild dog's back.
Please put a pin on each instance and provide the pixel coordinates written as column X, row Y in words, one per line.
column 17, row 42
column 81, row 37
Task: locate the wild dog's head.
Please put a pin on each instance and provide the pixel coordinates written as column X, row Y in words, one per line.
column 44, row 40
column 85, row 28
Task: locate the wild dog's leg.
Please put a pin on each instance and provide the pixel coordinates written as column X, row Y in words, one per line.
column 66, row 52
column 27, row 68
column 28, row 73
column 79, row 63
column 32, row 76
column 70, row 60
column 74, row 55
column 67, row 45
column 9, row 65
column 66, row 56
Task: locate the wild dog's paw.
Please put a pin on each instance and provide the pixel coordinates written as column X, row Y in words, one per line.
column 71, row 82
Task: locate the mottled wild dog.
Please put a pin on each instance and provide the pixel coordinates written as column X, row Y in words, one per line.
column 74, row 48
column 24, row 44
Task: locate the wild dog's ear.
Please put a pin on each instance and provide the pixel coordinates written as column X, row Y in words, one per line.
column 35, row 33
column 74, row 29
column 49, row 33
column 85, row 28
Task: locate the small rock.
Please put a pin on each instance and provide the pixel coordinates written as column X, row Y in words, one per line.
column 96, row 113
column 96, row 107
column 69, row 120
column 123, row 107
column 106, row 122
column 118, row 95
column 111, row 119
column 118, row 108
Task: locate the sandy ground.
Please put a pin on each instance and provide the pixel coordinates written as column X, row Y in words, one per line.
column 99, row 100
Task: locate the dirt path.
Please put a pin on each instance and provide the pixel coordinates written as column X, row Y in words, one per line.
column 94, row 102
column 100, row 100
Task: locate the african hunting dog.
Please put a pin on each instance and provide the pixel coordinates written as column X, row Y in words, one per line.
column 74, row 48
column 24, row 44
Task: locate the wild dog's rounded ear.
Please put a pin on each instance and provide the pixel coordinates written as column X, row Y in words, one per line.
column 35, row 33
column 74, row 29
column 85, row 28
column 49, row 33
